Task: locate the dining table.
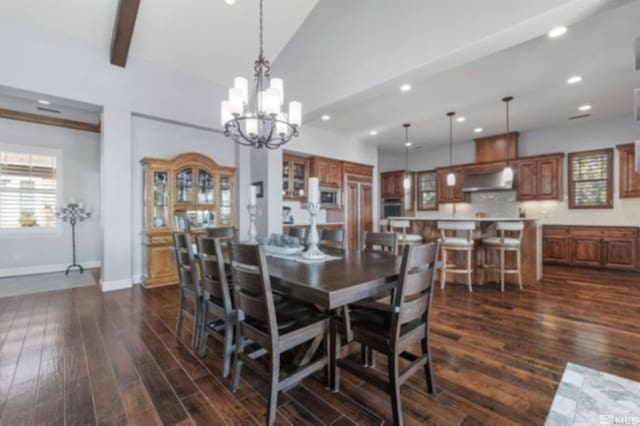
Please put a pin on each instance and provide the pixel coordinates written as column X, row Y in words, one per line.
column 349, row 277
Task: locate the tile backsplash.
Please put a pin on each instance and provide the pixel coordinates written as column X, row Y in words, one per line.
column 495, row 204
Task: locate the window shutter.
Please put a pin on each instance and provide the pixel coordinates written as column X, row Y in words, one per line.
column 27, row 190
column 590, row 173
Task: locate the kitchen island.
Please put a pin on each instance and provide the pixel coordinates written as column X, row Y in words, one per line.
column 531, row 259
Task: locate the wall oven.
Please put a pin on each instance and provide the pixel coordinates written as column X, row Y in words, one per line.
column 391, row 207
column 330, row 198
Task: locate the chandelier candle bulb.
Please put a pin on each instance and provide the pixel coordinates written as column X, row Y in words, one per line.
column 235, row 101
column 281, row 126
column 314, row 190
column 277, row 84
column 252, row 126
column 272, row 101
column 225, row 115
column 242, row 84
column 295, row 113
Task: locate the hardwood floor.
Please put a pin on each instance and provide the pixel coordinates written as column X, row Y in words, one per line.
column 82, row 357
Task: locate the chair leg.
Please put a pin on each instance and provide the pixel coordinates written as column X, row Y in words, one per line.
column 469, row 271
column 371, row 356
column 443, row 270
column 179, row 319
column 237, row 362
column 204, row 332
column 228, row 347
column 502, row 270
column 273, row 388
column 428, row 371
column 394, row 389
column 483, row 264
column 196, row 322
column 519, row 268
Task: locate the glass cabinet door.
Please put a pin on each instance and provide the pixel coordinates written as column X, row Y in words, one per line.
column 225, row 201
column 160, row 209
column 184, row 186
column 206, row 187
column 427, row 192
column 286, row 190
column 299, row 179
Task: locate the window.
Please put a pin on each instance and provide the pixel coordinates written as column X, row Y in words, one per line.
column 427, row 187
column 591, row 179
column 28, row 188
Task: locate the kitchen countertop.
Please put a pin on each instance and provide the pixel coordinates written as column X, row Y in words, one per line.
column 307, row 224
column 460, row 219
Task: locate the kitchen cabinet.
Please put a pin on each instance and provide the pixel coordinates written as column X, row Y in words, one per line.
column 295, row 173
column 539, row 178
column 497, row 147
column 391, row 184
column 427, row 190
column 609, row 247
column 629, row 179
column 328, row 172
column 448, row 194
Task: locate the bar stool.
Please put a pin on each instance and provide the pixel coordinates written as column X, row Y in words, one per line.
column 384, row 225
column 456, row 244
column 502, row 244
column 400, row 226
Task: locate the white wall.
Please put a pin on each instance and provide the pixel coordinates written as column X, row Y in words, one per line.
column 573, row 136
column 159, row 139
column 80, row 179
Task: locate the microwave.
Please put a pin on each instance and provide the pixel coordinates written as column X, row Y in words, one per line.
column 330, row 198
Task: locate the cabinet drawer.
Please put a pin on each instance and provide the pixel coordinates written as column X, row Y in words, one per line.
column 160, row 240
column 556, row 230
column 605, row 233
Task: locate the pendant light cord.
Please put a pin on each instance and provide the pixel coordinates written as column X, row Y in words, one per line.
column 507, row 100
column 261, row 36
column 406, row 139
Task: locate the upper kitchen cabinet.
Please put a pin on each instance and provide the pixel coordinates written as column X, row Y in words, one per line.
column 391, row 184
column 328, row 171
column 295, row 172
column 427, row 190
column 539, row 178
column 497, row 147
column 629, row 179
column 451, row 194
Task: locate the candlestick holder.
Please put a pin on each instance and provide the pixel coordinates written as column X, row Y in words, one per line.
column 252, row 223
column 73, row 213
column 313, row 252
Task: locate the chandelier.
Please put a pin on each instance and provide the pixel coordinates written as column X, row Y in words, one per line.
column 257, row 119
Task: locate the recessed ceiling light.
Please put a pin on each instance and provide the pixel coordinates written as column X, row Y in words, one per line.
column 408, row 144
column 230, row 2
column 405, row 87
column 557, row 32
column 373, row 132
column 326, row 117
column 478, row 130
column 460, row 119
column 584, row 108
column 574, row 79
column 43, row 102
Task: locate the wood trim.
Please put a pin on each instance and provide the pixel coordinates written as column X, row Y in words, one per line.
column 123, row 31
column 609, row 153
column 49, row 121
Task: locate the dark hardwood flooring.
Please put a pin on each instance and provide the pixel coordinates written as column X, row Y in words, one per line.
column 82, row 357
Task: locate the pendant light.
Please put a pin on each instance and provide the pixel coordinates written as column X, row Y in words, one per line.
column 451, row 177
column 406, row 182
column 507, row 173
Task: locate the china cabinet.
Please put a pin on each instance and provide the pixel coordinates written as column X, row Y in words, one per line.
column 189, row 192
column 295, row 172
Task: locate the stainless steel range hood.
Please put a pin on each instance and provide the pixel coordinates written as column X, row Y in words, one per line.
column 486, row 182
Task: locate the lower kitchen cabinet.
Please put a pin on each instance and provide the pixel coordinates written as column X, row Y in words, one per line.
column 608, row 247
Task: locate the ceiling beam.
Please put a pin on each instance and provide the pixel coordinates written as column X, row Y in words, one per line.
column 123, row 31
column 49, row 121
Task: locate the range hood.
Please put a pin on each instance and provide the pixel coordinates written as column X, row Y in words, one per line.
column 486, row 182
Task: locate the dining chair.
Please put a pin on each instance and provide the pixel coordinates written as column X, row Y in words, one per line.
column 218, row 314
column 450, row 240
column 189, row 285
column 505, row 242
column 300, row 233
column 380, row 241
column 226, row 232
column 393, row 328
column 264, row 330
column 333, row 238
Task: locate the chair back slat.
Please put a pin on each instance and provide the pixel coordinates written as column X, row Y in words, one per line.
column 300, row 233
column 225, row 232
column 381, row 241
column 414, row 309
column 212, row 269
column 510, row 226
column 185, row 260
column 252, row 286
column 417, row 282
column 332, row 237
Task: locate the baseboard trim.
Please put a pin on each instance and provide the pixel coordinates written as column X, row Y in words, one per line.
column 43, row 269
column 115, row 284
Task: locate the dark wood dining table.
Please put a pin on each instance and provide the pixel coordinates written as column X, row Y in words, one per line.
column 335, row 283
